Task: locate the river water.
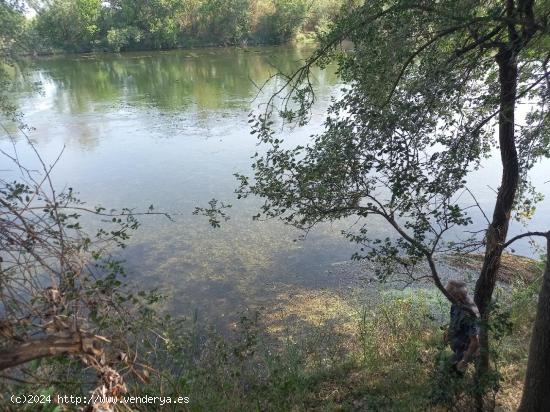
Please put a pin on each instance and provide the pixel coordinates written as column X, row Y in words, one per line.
column 170, row 129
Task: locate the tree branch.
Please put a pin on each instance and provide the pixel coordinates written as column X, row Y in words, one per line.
column 75, row 343
column 528, row 234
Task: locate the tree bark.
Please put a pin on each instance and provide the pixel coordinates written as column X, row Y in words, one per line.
column 75, row 343
column 498, row 229
column 536, row 391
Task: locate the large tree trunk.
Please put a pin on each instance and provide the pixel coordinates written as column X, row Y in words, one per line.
column 497, row 231
column 536, row 391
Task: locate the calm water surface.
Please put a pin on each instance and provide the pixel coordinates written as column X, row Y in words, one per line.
column 170, row 129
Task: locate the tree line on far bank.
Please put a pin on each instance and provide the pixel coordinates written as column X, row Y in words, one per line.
column 123, row 25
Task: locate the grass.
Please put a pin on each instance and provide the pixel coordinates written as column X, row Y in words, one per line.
column 391, row 361
column 316, row 352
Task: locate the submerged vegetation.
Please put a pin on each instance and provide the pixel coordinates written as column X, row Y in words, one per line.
column 393, row 360
column 427, row 86
column 433, row 90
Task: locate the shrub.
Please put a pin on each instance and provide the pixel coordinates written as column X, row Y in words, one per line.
column 282, row 23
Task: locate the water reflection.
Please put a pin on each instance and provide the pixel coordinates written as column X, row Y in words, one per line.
column 203, row 80
column 170, row 129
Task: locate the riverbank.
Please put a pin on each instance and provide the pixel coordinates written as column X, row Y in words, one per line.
column 358, row 345
column 301, row 40
column 323, row 352
column 303, row 327
column 349, row 285
column 95, row 26
column 367, row 346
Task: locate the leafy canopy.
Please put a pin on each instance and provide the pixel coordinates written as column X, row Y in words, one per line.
column 417, row 116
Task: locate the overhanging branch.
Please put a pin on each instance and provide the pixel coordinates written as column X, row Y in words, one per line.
column 74, row 343
column 527, row 234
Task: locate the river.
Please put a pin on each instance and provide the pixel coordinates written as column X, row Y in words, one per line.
column 170, row 129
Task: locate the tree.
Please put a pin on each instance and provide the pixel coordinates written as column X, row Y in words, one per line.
column 70, row 25
column 283, row 22
column 12, row 22
column 61, row 292
column 63, row 302
column 535, row 393
column 12, row 41
column 428, row 84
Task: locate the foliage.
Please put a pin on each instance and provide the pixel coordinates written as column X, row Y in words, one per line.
column 12, row 41
column 117, row 25
column 118, row 39
column 85, row 25
column 70, row 25
column 420, row 119
column 225, row 21
column 61, row 290
column 398, row 362
column 281, row 24
column 428, row 84
column 321, row 13
column 12, row 24
column 214, row 213
column 390, row 331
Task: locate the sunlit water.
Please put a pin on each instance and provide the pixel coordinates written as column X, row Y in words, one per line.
column 170, row 129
